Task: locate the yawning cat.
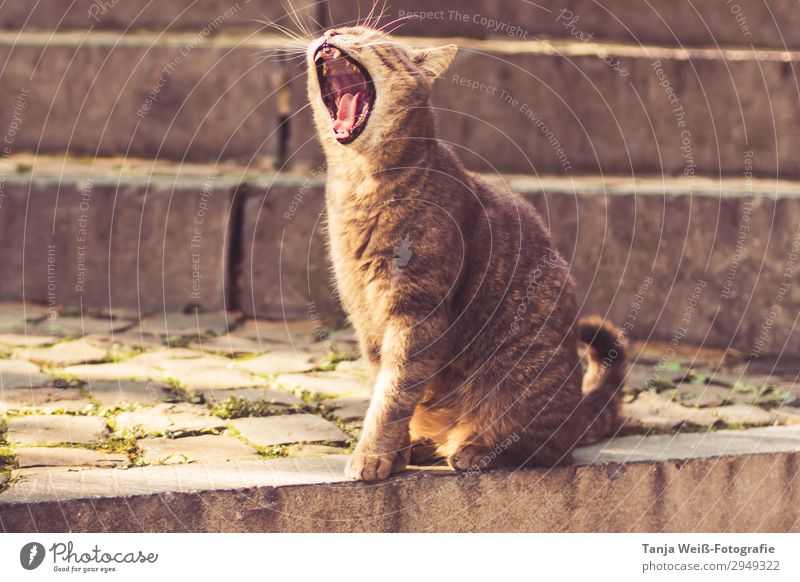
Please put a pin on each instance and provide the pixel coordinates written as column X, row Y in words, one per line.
column 463, row 310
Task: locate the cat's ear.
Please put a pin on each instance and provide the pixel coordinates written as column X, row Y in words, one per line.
column 434, row 61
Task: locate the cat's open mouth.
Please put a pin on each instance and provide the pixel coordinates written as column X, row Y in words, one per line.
column 347, row 91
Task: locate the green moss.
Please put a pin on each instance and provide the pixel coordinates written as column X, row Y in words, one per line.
column 272, row 452
column 7, row 458
column 237, row 407
column 660, row 385
column 177, row 341
column 120, row 444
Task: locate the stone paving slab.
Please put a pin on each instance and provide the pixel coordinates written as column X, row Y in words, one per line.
column 295, row 333
column 12, row 313
column 285, row 429
column 196, row 371
column 113, row 371
column 25, row 341
column 348, row 406
column 132, row 340
column 197, row 449
column 231, row 345
column 21, row 374
column 168, row 357
column 359, row 367
column 35, row 429
column 45, row 399
column 275, row 363
column 787, row 415
column 312, row 450
column 744, row 414
column 701, row 396
column 127, row 392
column 28, row 457
column 651, row 410
column 325, row 383
column 70, row 326
column 217, row 378
column 188, row 324
column 267, row 395
column 168, row 419
column 64, row 354
column 685, row 446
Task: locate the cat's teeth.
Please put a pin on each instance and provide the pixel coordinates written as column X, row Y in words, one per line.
column 336, row 53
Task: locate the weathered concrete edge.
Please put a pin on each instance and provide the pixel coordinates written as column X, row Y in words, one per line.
column 727, row 187
column 753, row 492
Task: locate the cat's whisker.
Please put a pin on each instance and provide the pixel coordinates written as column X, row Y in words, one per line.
column 401, row 20
column 295, row 16
column 392, row 31
column 316, row 22
column 367, row 20
column 284, row 30
column 278, row 56
column 384, row 9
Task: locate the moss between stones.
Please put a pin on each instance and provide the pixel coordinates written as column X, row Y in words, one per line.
column 7, row 458
column 237, row 407
column 271, row 452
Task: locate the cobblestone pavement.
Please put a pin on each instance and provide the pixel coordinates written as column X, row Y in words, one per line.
column 114, row 390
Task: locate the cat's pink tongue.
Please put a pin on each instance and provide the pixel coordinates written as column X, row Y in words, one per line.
column 346, row 115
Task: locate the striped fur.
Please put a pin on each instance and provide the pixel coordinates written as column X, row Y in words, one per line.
column 464, row 312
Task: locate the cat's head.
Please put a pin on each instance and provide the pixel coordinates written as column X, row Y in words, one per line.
column 366, row 88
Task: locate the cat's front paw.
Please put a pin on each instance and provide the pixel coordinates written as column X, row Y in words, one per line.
column 373, row 466
column 470, row 457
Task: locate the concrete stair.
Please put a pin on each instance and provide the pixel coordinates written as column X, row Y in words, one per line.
column 729, row 481
column 163, row 236
column 667, row 22
column 149, row 15
column 527, row 106
column 205, row 124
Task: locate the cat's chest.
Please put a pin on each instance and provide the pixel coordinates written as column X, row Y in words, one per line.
column 361, row 254
column 359, row 246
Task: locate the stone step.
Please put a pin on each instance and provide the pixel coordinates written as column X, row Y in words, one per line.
column 121, row 234
column 710, row 262
column 506, row 105
column 735, row 480
column 593, row 108
column 180, row 96
column 669, row 22
column 704, row 261
column 120, row 15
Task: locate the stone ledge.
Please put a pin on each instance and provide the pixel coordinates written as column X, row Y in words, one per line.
column 670, row 22
column 648, row 221
column 698, row 484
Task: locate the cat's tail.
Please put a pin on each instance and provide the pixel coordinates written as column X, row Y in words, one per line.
column 604, row 380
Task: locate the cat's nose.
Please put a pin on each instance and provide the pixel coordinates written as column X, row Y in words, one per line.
column 330, row 34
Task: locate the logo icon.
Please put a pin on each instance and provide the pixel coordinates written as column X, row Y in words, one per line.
column 402, row 256
column 31, row 555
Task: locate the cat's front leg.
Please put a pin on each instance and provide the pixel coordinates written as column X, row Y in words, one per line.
column 409, row 357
